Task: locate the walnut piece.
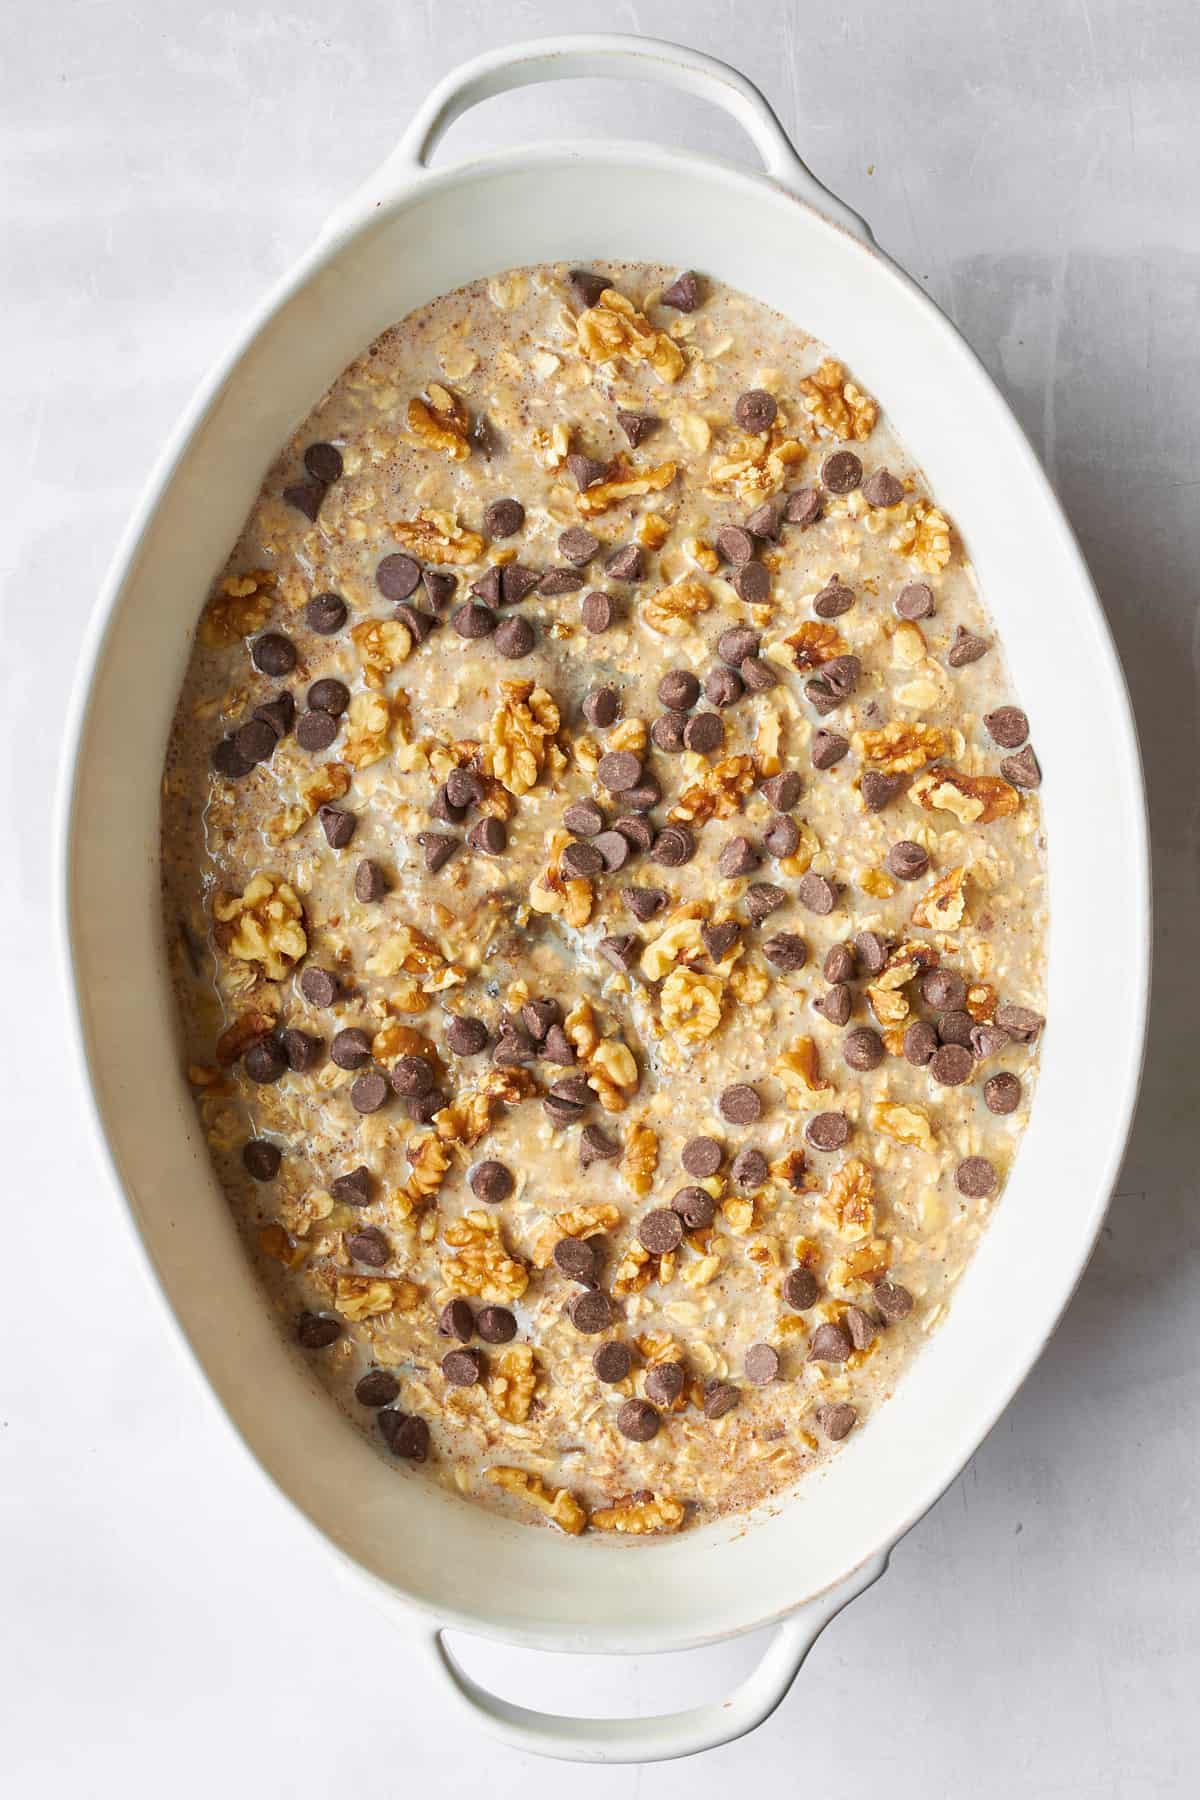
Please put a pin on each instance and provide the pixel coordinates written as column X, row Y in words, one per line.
column 429, row 1161
column 437, row 537
column 906, row 1124
column 383, row 644
column 615, row 331
column 360, row 1297
column 611, row 1066
column 943, row 905
column 482, row 1267
column 924, row 536
column 690, row 1005
column 641, row 1158
column 521, row 729
column 837, row 405
column 799, row 1069
column 815, row 642
column 849, row 1200
column 637, row 1515
column 671, row 610
column 368, row 718
column 440, row 421
column 973, row 799
column 470, row 1113
column 267, row 923
column 901, row 746
column 237, row 1038
column 512, row 1377
column 315, row 790
column 624, row 481
column 558, row 1504
column 718, row 793
column 756, row 466
column 566, row 896
column 240, row 607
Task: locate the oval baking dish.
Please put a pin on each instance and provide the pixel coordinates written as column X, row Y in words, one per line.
column 407, row 236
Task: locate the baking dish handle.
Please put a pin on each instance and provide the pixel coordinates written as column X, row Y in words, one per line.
column 660, row 1736
column 602, row 55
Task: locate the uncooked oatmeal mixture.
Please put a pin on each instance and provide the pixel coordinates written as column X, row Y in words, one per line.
column 606, row 888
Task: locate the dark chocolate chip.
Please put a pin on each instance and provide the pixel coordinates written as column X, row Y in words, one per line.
column 489, row 836
column 752, row 583
column 404, row 1434
column 514, row 638
column 1002, row 1093
column 803, row 507
column 612, row 1362
column 828, row 1131
column 621, row 949
column 602, row 708
column 303, row 1051
column 473, row 620
column 701, row 1157
column 1007, row 726
column 560, row 581
column 800, row 1289
column 491, row 1181
column 440, row 586
column 261, row 1159
column 862, row 1049
column 329, row 695
column 878, row 790
column 558, row 1047
column 503, row 518
column 914, row 601
column 762, row 899
column 516, row 582
column 951, row 1065
column 723, row 687
column 833, row 600
column 436, row 848
column 538, row 1016
column 756, row 410
column 986, row 1040
column 590, row 1311
column 720, row 1397
column 316, row 1331
column 496, row 1325
column 353, row 1189
column 740, row 1104
column 1019, row 1022
column 637, row 831
column 673, row 847
column 908, row 861
column 643, row 902
column 411, row 1075
column 1022, row 769
column 920, row 1042
column 684, row 292
column 637, row 426
column 786, row 951
column 255, row 742
column 735, row 644
column 838, row 1420
column 660, row 1231
column 841, row 472
column 817, row 893
column 638, row 1421
column 665, row 1382
column 397, row 576
column 325, row 613
column 586, row 471
column 966, row 648
column 368, row 1246
column 619, row 771
column 273, row 654
column 766, row 520
column 265, row 1061
column 829, row 1343
column 943, row 990
column 576, row 1259
column 462, row 1368
column 735, row 545
column 762, row 1364
column 955, row 1027
column 228, row 760
column 351, row 1048
column 704, row 733
column 783, row 791
column 738, row 857
column 883, row 489
column 749, row 1168
column 316, row 731
column 758, row 676
column 666, row 733
column 828, row 748
column 306, row 497
column 378, row 1387
column 578, row 545
column 370, row 882
column 839, row 963
column 596, row 1146
column 466, row 1036
column 719, row 938
column 625, row 564
column 975, row 1177
column 585, row 287
column 338, row 824
column 324, row 463
column 837, row 1004
column 614, row 849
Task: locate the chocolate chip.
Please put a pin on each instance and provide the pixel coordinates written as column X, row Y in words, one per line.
column 316, row 1331
column 338, row 825
column 261, row 1159
column 986, row 1040
column 955, row 1027
column 786, row 951
column 800, row 1289
column 766, row 520
column 752, row 583
column 397, row 576
column 411, row 1075
column 512, row 1048
column 861, row 1327
column 862, row 1049
column 828, row 1131
column 590, row 1312
column 817, row 893
column 894, row 1302
column 908, row 861
column 833, row 600
column 749, row 1168
column 578, row 545
column 273, row 654
column 966, row 648
column 370, row 882
column 316, row 731
column 871, row 951
column 265, row 1061
column 516, row 582
column 1007, row 726
column 612, row 1362
column 490, row 836
column 368, row 1093
column 701, row 1157
column 596, row 1146
column 738, row 857
column 829, row 1343
column 473, row 620
column 325, row 613
column 665, row 1382
column 762, row 899
column 558, row 1047
column 637, row 426
column 306, row 497
column 462, row 788
column 684, row 293
column 329, row 696
column 228, row 760
column 491, row 1181
column 837, row 1421
column 704, row 733
column 538, row 1016
column 424, row 1108
column 625, row 564
column 673, row 847
column 324, row 463
column 951, row 1065
column 737, row 643
column 975, row 1177
column 602, row 708
column 621, row 949
column 694, row 1205
column 576, row 1259
column 560, row 581
column 377, row 1388
column 643, row 902
column 837, row 1004
column 839, row 963
column 943, row 989
column 638, row 1421
column 758, row 676
column 503, row 518
column 1022, row 769
column 740, row 1104
column 255, row 742
column 720, row 1397
column 841, row 472
column 436, row 848
column 599, row 612
column 734, row 545
column 351, row 1048
column 319, row 986
column 914, row 601
column 369, row 1246
column 514, row 638
column 762, row 1364
column 585, row 287
column 618, row 770
column 440, row 586
column 660, row 1231
column 882, row 489
column 828, row 748
column 404, row 1434
column 496, row 1325
column 878, row 790
column 1019, row 1022
column 720, row 938
column 783, row 791
column 353, row 1189
column 756, row 410
column 486, row 587
column 722, row 687
column 614, row 850
column 920, row 1042
column 637, row 831
column 803, row 507
column 462, row 1368
column 456, row 1320
column 302, row 1050
column 419, row 623
column 466, row 1036
column 586, row 471
column 1002, row 1093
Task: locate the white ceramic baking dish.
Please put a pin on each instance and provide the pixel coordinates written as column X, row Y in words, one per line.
column 407, row 236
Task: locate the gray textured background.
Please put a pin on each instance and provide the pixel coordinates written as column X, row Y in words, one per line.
column 167, row 1626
